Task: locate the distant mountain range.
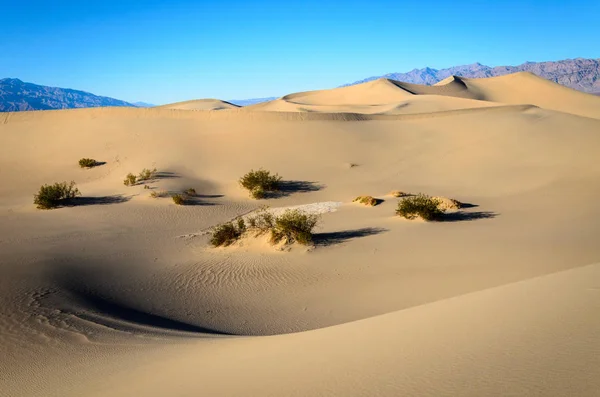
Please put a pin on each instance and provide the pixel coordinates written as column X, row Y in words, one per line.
column 248, row 102
column 580, row 74
column 16, row 95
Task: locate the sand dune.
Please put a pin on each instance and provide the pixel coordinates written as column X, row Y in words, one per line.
column 119, row 293
column 384, row 96
column 201, row 104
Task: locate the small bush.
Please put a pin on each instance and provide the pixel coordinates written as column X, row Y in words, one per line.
column 294, row 226
column 178, row 199
column 191, row 192
column 262, row 222
column 146, row 174
column 51, row 196
column 366, row 200
column 258, row 183
column 227, row 233
column 87, row 163
column 420, row 206
column 130, row 180
column 159, row 193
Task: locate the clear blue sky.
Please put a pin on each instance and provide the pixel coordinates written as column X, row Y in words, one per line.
column 166, row 51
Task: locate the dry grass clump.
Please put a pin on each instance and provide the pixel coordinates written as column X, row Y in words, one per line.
column 159, row 193
column 87, row 163
column 421, row 205
column 146, row 174
column 130, row 180
column 398, row 193
column 51, row 196
column 366, row 200
column 178, row 199
column 259, row 183
column 190, row 192
column 293, row 226
column 448, row 203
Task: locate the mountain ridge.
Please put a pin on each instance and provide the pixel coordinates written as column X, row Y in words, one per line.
column 580, row 73
column 17, row 95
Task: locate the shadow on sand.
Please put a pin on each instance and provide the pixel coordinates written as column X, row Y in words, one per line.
column 287, row 188
column 462, row 216
column 101, row 200
column 334, row 238
column 119, row 311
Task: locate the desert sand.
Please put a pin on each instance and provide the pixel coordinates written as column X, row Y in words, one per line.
column 120, row 294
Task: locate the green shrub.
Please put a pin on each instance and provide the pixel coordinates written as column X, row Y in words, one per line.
column 258, row 183
column 87, row 163
column 146, row 174
column 130, row 180
column 227, row 233
column 294, row 226
column 51, row 196
column 420, row 206
column 179, row 199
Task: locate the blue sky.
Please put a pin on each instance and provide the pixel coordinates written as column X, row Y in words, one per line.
column 167, row 51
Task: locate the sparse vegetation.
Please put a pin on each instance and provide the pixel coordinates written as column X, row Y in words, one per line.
column 191, row 192
column 159, row 193
column 398, row 193
column 421, row 205
column 227, row 233
column 293, row 226
column 260, row 182
column 51, row 196
column 146, row 174
column 130, row 180
column 366, row 200
column 178, row 199
column 146, row 187
column 87, row 163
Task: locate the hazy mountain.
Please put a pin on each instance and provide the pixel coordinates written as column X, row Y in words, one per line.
column 580, row 74
column 248, row 102
column 17, row 95
column 144, row 105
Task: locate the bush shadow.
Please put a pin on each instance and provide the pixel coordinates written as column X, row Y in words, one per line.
column 335, row 238
column 287, row 188
column 462, row 216
column 101, row 200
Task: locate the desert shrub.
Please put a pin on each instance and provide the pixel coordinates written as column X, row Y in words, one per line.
column 130, row 180
column 262, row 222
column 366, row 200
column 147, row 174
column 191, row 192
column 51, row 196
column 178, row 199
column 159, row 193
column 146, row 187
column 227, row 233
column 87, row 163
column 258, row 183
column 294, row 226
column 420, row 206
